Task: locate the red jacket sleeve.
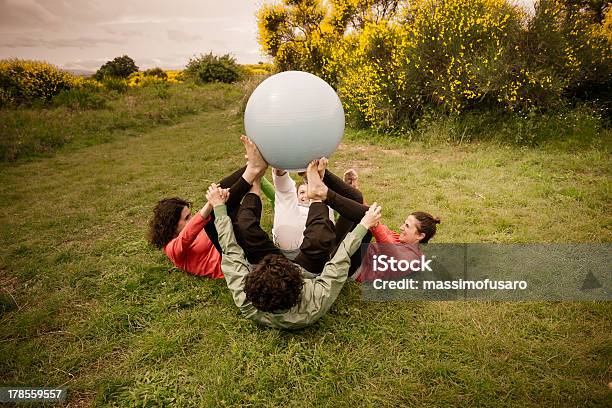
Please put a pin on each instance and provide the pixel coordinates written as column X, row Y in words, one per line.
column 175, row 248
column 384, row 235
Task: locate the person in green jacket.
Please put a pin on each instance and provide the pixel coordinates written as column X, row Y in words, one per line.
column 277, row 292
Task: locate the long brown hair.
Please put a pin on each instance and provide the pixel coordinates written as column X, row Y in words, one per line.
column 166, row 215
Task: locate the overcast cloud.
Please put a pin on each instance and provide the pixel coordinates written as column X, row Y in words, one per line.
column 83, row 34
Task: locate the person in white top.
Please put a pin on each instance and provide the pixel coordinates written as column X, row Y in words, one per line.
column 291, row 206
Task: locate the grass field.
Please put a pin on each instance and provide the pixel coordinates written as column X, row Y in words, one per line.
column 87, row 305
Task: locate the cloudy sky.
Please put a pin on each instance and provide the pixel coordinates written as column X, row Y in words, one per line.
column 83, row 34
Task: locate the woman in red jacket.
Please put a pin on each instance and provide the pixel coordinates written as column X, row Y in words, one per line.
column 418, row 228
column 191, row 241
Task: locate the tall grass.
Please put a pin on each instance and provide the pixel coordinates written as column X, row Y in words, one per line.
column 78, row 120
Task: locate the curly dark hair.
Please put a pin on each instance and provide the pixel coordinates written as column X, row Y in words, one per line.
column 166, row 214
column 275, row 284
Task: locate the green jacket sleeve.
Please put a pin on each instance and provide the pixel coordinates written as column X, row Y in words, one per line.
column 233, row 263
column 268, row 189
column 327, row 286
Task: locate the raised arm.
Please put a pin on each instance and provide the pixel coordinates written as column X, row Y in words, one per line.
column 384, row 235
column 284, row 186
column 233, row 263
column 335, row 272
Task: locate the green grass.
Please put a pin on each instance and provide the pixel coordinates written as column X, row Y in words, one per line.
column 86, row 304
column 39, row 131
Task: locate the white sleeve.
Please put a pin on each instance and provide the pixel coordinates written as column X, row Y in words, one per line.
column 285, row 193
column 286, row 211
column 283, row 183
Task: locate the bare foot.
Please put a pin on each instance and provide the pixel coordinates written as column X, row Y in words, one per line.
column 351, row 177
column 254, row 159
column 316, row 189
column 322, row 166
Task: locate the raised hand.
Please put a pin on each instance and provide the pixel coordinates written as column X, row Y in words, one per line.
column 254, row 158
column 217, row 195
column 372, row 216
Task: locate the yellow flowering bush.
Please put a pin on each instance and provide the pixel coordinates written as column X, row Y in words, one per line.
column 308, row 48
column 24, row 81
column 454, row 55
column 456, row 49
column 574, row 43
column 390, row 59
column 139, row 78
column 374, row 90
column 606, row 27
column 257, row 69
column 154, row 76
column 174, row 76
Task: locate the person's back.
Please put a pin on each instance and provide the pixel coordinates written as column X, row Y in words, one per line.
column 316, row 295
column 275, row 292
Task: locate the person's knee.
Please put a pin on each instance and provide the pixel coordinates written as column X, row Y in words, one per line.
column 243, row 225
column 246, row 217
column 248, row 233
column 320, row 228
column 327, row 245
column 318, row 241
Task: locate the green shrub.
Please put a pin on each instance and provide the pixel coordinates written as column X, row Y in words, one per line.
column 211, row 68
column 156, row 72
column 163, row 90
column 115, row 84
column 120, row 67
column 84, row 97
column 6, row 99
column 573, row 41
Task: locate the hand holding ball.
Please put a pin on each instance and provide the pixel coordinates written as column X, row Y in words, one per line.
column 294, row 117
